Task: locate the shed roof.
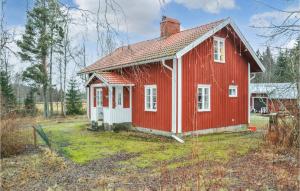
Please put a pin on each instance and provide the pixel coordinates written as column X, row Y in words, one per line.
column 275, row 90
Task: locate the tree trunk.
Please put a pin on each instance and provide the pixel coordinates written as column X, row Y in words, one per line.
column 45, row 88
column 65, row 78
column 61, row 89
column 50, row 82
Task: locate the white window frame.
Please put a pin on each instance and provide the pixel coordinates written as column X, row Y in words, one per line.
column 204, row 86
column 219, row 40
column 117, row 91
column 99, row 97
column 233, row 87
column 151, row 87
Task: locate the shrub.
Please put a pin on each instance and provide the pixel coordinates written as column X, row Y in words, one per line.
column 14, row 137
column 284, row 130
column 121, row 127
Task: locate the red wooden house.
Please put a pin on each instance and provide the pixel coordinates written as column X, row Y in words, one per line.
column 190, row 81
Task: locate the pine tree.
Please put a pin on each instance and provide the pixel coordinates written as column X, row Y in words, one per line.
column 41, row 34
column 8, row 99
column 29, row 102
column 73, row 99
column 267, row 60
column 282, row 69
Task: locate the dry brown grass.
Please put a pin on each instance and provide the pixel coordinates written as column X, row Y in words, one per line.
column 15, row 135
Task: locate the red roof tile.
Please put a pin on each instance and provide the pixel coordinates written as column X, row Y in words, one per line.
column 113, row 78
column 150, row 49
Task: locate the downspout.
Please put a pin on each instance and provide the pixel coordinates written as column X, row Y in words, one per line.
column 171, row 69
column 164, row 64
column 252, row 77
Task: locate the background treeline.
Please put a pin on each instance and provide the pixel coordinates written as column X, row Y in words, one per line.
column 48, row 52
column 280, row 68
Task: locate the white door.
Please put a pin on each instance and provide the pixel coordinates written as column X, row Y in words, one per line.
column 99, row 103
column 119, row 97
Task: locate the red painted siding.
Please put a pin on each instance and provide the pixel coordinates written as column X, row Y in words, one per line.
column 126, row 97
column 198, row 67
column 151, row 74
column 105, row 96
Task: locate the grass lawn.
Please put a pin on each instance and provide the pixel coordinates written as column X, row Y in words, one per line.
column 259, row 121
column 71, row 139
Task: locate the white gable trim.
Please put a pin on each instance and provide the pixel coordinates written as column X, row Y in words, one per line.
column 212, row 32
column 97, row 76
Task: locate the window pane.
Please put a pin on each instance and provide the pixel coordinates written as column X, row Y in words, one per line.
column 154, row 105
column 216, row 52
column 200, row 98
column 222, row 51
column 119, row 98
column 154, row 91
column 206, row 98
column 148, row 91
column 148, row 102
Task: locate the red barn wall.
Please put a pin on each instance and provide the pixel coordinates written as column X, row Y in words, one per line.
column 198, row 67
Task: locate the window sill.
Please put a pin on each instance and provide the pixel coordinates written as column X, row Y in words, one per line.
column 219, row 62
column 204, row 110
column 151, row 110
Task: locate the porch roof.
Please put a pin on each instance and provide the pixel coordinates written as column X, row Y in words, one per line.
column 110, row 78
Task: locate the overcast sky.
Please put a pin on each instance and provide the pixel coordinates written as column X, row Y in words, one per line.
column 142, row 18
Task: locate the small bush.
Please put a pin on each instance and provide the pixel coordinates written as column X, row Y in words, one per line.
column 14, row 137
column 121, row 127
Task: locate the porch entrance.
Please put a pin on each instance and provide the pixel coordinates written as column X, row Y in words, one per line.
column 110, row 98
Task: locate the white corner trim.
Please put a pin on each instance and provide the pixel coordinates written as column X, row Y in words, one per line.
column 249, row 96
column 174, row 92
column 179, row 100
column 110, row 104
column 212, row 32
column 88, row 102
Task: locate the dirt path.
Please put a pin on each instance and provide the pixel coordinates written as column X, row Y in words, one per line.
column 43, row 170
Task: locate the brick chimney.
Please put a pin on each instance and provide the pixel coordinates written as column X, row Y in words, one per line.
column 169, row 26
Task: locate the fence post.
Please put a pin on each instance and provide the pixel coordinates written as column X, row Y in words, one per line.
column 34, row 136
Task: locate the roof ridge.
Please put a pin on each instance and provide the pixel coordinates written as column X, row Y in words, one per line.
column 193, row 28
column 159, row 38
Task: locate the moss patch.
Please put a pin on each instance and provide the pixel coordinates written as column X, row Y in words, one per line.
column 71, row 138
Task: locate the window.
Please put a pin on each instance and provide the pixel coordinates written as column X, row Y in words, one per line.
column 99, row 97
column 119, row 97
column 219, row 49
column 150, row 98
column 203, row 97
column 232, row 91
